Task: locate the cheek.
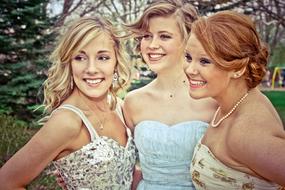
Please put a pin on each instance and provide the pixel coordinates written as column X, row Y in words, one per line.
column 76, row 69
column 143, row 46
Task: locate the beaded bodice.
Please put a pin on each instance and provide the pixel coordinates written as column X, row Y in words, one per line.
column 101, row 164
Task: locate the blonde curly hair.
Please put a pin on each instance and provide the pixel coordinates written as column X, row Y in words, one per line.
column 58, row 85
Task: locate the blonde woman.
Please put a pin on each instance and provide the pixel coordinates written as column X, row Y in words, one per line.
column 85, row 137
column 167, row 123
column 243, row 148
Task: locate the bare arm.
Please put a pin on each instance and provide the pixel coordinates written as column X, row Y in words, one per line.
column 262, row 149
column 127, row 112
column 43, row 147
column 137, row 177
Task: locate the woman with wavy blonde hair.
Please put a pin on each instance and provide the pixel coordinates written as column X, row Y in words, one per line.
column 85, row 137
column 242, row 148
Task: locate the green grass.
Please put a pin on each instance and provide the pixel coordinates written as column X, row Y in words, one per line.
column 278, row 100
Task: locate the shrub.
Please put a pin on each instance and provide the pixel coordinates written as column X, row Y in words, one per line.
column 14, row 134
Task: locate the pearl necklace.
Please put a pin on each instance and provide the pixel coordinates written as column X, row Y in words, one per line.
column 213, row 124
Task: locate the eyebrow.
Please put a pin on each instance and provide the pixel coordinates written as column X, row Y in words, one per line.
column 164, row 31
column 99, row 52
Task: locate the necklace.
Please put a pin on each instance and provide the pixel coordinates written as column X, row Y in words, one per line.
column 171, row 95
column 213, row 124
column 176, row 85
column 101, row 122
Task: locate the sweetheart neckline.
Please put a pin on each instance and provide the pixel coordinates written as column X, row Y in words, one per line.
column 171, row 125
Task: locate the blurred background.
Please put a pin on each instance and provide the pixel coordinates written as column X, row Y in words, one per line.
column 28, row 32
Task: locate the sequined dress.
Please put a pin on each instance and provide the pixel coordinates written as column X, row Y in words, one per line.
column 103, row 164
column 165, row 153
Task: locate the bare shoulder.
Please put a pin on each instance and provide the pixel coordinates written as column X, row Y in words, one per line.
column 253, row 124
column 136, row 97
column 64, row 122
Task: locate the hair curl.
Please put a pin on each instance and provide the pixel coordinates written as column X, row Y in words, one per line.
column 184, row 13
column 57, row 86
column 231, row 40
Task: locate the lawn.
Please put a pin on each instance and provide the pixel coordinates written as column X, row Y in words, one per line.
column 278, row 100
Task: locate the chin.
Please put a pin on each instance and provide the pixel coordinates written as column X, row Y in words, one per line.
column 195, row 95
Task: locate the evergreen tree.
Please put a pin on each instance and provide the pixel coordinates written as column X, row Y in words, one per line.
column 24, row 36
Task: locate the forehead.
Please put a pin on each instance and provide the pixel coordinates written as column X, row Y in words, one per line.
column 160, row 23
column 101, row 41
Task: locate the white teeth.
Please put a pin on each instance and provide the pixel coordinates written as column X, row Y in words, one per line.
column 96, row 81
column 198, row 83
column 155, row 55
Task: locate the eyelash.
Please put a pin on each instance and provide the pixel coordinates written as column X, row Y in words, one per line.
column 79, row 58
column 103, row 58
column 188, row 57
column 162, row 36
column 100, row 58
column 203, row 61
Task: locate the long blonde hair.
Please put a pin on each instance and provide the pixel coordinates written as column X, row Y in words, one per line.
column 58, row 85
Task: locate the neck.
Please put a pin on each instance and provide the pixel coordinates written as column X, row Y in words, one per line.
column 170, row 80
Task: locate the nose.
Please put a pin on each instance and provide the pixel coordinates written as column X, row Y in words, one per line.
column 154, row 43
column 92, row 66
column 190, row 68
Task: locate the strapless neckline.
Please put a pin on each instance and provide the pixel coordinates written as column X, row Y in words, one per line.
column 161, row 124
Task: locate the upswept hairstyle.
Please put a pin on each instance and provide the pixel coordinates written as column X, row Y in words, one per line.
column 184, row 13
column 58, row 85
column 232, row 42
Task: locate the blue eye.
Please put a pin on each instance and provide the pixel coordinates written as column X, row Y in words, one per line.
column 104, row 58
column 146, row 36
column 188, row 57
column 79, row 58
column 165, row 36
column 205, row 61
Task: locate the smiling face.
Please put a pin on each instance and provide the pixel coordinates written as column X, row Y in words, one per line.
column 93, row 66
column 205, row 78
column 162, row 45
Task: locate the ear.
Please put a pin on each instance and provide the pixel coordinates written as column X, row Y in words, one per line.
column 238, row 73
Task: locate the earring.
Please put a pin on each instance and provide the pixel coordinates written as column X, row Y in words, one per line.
column 236, row 75
column 115, row 79
column 71, row 83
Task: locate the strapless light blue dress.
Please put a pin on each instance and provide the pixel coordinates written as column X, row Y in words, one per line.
column 165, row 153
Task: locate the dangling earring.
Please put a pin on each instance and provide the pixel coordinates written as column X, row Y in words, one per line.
column 71, row 83
column 115, row 79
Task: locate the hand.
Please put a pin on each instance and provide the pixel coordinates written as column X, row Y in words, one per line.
column 137, row 177
column 59, row 180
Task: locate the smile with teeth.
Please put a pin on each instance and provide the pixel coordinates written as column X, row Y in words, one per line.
column 155, row 56
column 94, row 81
column 197, row 83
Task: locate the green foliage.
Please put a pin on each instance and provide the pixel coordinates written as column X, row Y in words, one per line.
column 278, row 58
column 24, row 38
column 277, row 98
column 13, row 135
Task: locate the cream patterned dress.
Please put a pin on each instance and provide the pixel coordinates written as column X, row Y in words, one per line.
column 103, row 164
column 209, row 173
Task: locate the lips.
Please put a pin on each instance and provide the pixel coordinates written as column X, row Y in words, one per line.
column 197, row 83
column 155, row 56
column 93, row 82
